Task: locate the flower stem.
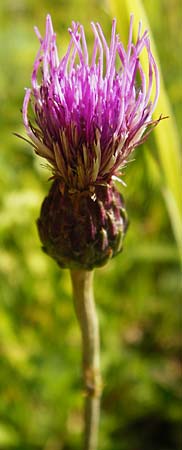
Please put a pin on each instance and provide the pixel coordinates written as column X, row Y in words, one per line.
column 82, row 282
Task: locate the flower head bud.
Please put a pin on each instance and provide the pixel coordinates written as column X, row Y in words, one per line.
column 88, row 116
column 82, row 230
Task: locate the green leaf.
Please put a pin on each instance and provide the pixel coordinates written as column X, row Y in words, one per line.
column 166, row 135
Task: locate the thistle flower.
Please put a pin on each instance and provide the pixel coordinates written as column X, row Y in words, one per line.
column 88, row 116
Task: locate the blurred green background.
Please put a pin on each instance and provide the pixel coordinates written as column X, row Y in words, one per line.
column 137, row 294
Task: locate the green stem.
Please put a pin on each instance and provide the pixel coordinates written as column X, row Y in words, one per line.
column 82, row 282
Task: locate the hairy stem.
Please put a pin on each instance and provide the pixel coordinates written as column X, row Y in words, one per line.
column 82, row 282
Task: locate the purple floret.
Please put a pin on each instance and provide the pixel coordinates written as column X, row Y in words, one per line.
column 90, row 113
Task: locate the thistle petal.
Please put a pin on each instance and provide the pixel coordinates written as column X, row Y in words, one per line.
column 90, row 116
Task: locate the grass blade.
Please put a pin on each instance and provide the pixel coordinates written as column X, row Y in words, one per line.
column 166, row 135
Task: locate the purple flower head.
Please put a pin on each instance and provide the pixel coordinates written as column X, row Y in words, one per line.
column 90, row 113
